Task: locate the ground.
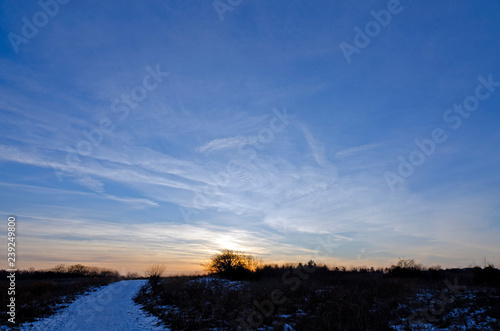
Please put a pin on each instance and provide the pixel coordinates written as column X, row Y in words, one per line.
column 110, row 308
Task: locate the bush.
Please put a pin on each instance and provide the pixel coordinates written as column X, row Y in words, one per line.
column 406, row 268
column 132, row 275
column 487, row 275
column 154, row 273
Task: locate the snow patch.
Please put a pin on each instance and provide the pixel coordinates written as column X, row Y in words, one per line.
column 109, row 308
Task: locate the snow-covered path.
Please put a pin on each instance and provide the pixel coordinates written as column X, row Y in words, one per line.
column 110, row 308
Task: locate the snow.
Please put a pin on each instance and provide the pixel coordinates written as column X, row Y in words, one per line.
column 213, row 282
column 461, row 318
column 110, row 308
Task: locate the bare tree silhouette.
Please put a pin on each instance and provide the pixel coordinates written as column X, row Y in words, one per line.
column 154, row 273
column 231, row 264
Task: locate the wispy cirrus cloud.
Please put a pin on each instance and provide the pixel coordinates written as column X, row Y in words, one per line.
column 139, row 203
column 223, row 144
column 316, row 147
column 193, row 142
column 355, row 150
column 90, row 183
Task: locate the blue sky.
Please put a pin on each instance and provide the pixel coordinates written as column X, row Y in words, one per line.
column 137, row 133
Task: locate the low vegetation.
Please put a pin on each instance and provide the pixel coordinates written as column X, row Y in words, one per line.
column 154, row 273
column 306, row 296
column 39, row 293
column 240, row 294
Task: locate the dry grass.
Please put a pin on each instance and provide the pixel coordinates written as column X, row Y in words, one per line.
column 319, row 300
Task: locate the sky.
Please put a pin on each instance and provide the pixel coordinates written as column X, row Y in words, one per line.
column 160, row 132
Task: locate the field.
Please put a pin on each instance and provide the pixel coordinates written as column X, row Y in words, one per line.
column 317, row 298
column 272, row 297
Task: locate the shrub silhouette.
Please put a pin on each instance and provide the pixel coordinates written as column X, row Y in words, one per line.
column 231, row 264
column 406, row 268
column 154, row 273
column 132, row 275
column 487, row 275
